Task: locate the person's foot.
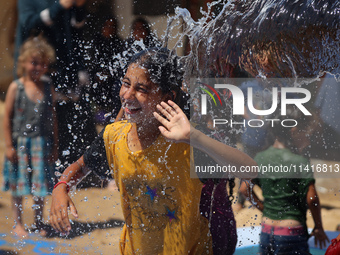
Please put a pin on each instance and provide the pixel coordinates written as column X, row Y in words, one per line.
column 19, row 231
column 42, row 228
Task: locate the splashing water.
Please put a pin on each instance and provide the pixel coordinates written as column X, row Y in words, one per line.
column 276, row 38
column 266, row 39
column 211, row 204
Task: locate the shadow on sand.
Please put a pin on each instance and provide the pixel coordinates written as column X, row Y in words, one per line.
column 81, row 228
column 7, row 252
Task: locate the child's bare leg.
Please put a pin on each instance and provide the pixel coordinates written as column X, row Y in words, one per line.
column 38, row 215
column 19, row 229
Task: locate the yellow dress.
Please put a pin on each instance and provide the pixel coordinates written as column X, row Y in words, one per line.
column 160, row 201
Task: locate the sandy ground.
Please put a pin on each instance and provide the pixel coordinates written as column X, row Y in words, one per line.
column 98, row 227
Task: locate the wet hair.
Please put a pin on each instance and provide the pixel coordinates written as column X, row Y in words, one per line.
column 165, row 69
column 35, row 46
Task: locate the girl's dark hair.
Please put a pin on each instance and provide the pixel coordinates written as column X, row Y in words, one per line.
column 166, row 70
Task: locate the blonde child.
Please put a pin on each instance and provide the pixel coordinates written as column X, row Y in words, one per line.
column 30, row 132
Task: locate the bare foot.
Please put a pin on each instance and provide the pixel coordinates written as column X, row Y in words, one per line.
column 19, row 231
column 42, row 228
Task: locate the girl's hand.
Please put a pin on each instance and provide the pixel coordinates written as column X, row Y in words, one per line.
column 11, row 155
column 176, row 126
column 61, row 202
column 320, row 237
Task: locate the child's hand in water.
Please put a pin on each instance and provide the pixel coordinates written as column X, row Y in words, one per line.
column 61, row 202
column 176, row 126
column 320, row 237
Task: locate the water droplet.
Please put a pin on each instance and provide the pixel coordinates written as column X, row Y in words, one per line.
column 35, row 207
column 85, row 199
column 65, row 153
column 29, row 169
column 107, row 115
column 58, row 163
column 57, row 174
column 28, row 126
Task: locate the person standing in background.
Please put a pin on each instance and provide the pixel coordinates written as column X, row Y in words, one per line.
column 61, row 23
column 141, row 31
column 286, row 195
column 105, row 70
column 327, row 103
column 30, row 133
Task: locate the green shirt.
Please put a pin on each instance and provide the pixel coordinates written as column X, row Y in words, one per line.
column 284, row 198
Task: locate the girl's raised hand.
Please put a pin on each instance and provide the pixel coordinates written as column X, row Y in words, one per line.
column 175, row 124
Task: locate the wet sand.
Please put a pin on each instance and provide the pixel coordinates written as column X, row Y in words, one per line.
column 97, row 230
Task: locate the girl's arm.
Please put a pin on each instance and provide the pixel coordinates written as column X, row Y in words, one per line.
column 247, row 190
column 313, row 202
column 11, row 153
column 176, row 127
column 61, row 201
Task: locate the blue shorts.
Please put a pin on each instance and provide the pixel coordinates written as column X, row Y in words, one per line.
column 271, row 244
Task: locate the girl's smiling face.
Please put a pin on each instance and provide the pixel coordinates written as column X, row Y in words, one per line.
column 139, row 95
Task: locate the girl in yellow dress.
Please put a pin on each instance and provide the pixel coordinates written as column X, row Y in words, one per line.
column 149, row 155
